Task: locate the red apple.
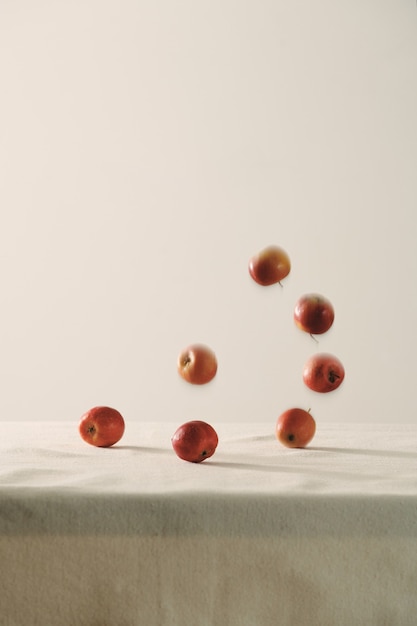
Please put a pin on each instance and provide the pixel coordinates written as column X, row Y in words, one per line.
column 295, row 428
column 323, row 372
column 269, row 266
column 197, row 364
column 314, row 314
column 101, row 426
column 195, row 441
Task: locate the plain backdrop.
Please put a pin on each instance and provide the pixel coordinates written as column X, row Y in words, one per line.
column 148, row 148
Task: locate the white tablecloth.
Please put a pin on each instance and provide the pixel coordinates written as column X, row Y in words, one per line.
column 257, row 535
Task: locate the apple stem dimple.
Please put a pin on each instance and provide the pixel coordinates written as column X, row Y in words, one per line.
column 333, row 377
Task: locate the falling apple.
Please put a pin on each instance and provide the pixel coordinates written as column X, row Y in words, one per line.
column 313, row 314
column 295, row 428
column 269, row 266
column 197, row 364
column 195, row 441
column 101, row 426
column 323, row 372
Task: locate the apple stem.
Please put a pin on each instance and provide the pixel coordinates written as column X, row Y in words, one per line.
column 313, row 337
column 333, row 377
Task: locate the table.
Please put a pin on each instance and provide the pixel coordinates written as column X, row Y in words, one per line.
column 257, row 535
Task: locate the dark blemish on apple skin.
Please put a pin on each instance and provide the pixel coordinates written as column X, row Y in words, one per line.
column 204, row 453
column 291, row 437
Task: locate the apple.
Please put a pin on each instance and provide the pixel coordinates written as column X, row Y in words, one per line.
column 323, row 372
column 269, row 266
column 313, row 314
column 101, row 426
column 195, row 441
column 295, row 428
column 197, row 364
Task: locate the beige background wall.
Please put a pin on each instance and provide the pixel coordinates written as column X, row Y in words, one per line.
column 149, row 148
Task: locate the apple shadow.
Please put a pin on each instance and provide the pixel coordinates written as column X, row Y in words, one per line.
column 249, row 466
column 255, row 438
column 365, row 452
column 319, row 476
column 143, row 449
